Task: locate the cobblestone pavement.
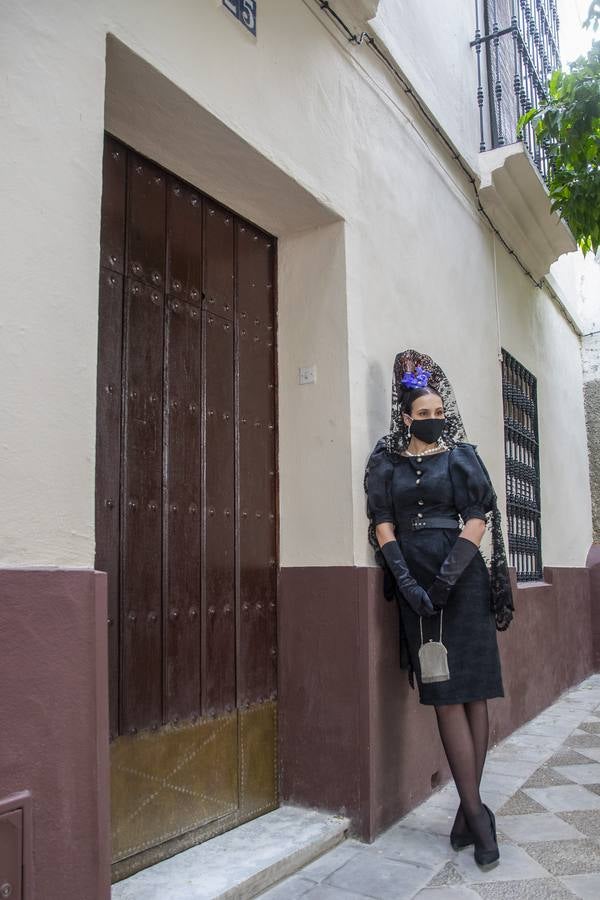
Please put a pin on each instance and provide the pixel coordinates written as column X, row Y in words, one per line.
column 543, row 783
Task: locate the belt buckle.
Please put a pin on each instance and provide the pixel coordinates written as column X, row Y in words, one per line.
column 417, row 523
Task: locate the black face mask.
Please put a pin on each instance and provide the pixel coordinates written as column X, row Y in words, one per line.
column 428, row 430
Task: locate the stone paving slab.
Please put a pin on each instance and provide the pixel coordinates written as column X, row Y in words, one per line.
column 592, row 753
column 537, row 827
column 564, row 797
column 584, row 886
column 581, row 773
column 519, row 767
column 543, row 783
column 378, row 876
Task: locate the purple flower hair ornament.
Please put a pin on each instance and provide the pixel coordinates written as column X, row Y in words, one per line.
column 420, row 379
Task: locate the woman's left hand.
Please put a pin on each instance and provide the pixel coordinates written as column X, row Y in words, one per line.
column 438, row 593
column 461, row 553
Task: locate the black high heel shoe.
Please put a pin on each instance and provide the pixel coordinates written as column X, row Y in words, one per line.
column 461, row 839
column 487, row 859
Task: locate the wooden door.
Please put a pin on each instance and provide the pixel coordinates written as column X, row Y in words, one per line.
column 186, row 509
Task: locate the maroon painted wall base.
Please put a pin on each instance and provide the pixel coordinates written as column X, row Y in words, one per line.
column 54, row 721
column 593, row 567
column 354, row 738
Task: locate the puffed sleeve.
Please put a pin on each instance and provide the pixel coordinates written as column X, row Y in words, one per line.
column 473, row 490
column 380, row 468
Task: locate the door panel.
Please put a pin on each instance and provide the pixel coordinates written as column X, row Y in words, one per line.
column 186, row 510
column 184, row 241
column 141, row 612
column 145, row 233
column 182, row 506
column 218, row 272
column 220, row 630
column 258, row 651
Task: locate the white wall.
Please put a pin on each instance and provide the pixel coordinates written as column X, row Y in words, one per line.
column 410, row 265
column 537, row 334
column 430, row 41
column 52, row 62
column 578, row 281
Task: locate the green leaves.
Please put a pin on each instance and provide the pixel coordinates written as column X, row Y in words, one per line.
column 593, row 16
column 568, row 126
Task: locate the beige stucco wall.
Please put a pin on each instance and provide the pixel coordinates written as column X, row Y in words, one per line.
column 380, row 249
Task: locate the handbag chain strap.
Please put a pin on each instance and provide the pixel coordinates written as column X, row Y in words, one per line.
column 421, row 626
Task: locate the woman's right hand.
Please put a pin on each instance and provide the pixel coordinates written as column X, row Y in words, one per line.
column 416, row 596
column 419, row 600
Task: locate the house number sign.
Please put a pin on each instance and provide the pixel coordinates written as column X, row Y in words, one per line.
column 244, row 11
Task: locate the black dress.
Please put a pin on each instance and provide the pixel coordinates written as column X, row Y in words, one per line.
column 445, row 483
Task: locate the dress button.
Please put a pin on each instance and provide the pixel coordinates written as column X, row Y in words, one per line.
column 419, row 472
column 419, row 459
column 420, row 502
column 418, row 481
column 420, row 515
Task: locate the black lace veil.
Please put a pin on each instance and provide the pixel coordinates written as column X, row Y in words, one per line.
column 397, row 439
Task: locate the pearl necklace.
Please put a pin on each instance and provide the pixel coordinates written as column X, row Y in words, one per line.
column 440, row 445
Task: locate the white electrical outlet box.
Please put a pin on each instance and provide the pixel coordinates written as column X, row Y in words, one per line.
column 307, row 374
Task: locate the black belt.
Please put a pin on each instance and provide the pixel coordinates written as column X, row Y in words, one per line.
column 412, row 523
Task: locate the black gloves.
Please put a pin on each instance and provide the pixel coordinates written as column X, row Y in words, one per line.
column 413, row 593
column 452, row 568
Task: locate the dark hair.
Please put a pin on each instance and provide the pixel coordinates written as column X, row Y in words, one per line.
column 412, row 394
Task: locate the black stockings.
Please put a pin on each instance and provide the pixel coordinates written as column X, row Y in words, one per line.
column 464, row 730
column 477, row 715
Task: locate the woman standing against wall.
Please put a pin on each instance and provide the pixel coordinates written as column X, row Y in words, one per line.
column 419, row 478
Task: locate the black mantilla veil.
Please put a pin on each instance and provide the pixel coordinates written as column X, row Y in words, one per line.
column 454, row 434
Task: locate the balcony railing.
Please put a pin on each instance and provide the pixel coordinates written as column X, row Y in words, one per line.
column 520, row 39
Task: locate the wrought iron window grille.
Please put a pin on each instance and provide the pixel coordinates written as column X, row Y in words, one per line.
column 521, row 443
column 521, row 44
